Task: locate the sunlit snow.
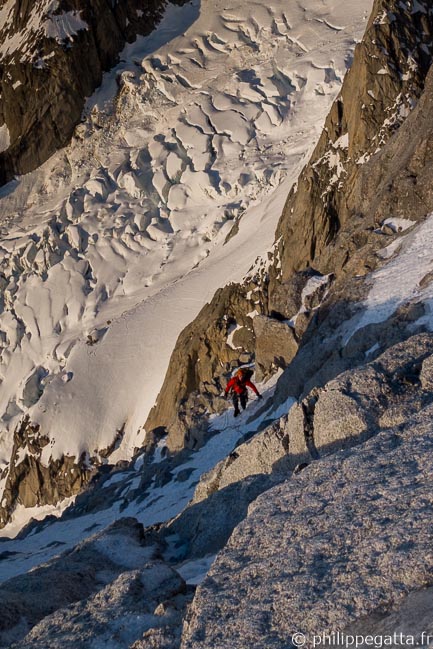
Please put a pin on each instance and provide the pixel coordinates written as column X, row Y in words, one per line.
column 114, row 245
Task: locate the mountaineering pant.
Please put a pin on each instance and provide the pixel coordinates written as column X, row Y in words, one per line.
column 243, row 398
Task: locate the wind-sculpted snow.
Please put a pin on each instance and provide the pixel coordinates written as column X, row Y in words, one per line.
column 114, row 245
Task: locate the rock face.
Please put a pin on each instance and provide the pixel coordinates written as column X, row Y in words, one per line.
column 345, row 412
column 32, row 480
column 346, row 539
column 52, row 57
column 192, row 388
column 372, row 163
column 72, row 576
column 346, row 180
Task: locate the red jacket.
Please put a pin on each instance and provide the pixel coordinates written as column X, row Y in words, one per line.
column 239, row 386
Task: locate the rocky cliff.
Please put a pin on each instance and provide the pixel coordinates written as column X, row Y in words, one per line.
column 370, row 166
column 339, row 549
column 321, row 519
column 97, row 288
column 52, row 57
column 326, row 510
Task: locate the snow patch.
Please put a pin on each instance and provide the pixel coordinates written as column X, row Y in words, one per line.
column 312, row 286
column 398, row 225
column 22, row 515
column 342, row 142
column 5, row 138
column 64, row 26
column 232, row 330
column 400, row 281
column 193, row 572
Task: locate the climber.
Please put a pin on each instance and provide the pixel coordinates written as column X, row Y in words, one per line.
column 238, row 386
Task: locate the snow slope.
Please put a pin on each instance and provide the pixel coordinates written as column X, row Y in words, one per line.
column 160, row 504
column 115, row 244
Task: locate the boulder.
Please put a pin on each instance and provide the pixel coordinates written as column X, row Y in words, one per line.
column 275, row 347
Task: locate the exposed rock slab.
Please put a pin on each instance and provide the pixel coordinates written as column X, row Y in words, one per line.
column 117, row 615
column 73, row 576
column 359, row 402
column 347, row 537
column 265, row 454
column 410, row 622
column 204, row 527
